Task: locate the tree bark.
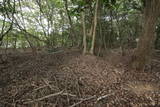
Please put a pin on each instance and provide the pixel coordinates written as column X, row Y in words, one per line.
column 94, row 29
column 84, row 34
column 72, row 33
column 145, row 44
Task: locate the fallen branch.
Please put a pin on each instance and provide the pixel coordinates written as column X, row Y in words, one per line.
column 82, row 100
column 40, row 87
column 45, row 97
column 47, row 84
column 68, row 94
column 105, row 96
column 156, row 60
column 6, row 103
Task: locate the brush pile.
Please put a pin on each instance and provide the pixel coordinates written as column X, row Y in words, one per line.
column 69, row 79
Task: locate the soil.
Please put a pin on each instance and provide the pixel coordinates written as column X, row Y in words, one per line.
column 69, row 79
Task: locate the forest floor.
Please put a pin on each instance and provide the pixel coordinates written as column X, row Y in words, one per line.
column 69, row 79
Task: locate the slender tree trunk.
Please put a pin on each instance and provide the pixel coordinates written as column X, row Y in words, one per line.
column 72, row 33
column 145, row 44
column 34, row 50
column 91, row 29
column 62, row 35
column 15, row 43
column 101, row 49
column 84, row 34
column 94, row 29
column 6, row 48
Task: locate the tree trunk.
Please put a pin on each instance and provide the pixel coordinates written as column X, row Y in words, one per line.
column 84, row 34
column 34, row 50
column 145, row 44
column 72, row 33
column 94, row 29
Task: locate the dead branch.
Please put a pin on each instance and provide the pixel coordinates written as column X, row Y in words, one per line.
column 65, row 94
column 154, row 60
column 47, row 83
column 68, row 94
column 82, row 100
column 103, row 97
column 41, row 87
column 45, row 97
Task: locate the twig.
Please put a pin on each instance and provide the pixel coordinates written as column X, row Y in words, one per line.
column 45, row 97
column 47, row 83
column 105, row 96
column 66, row 94
column 41, row 87
column 86, row 99
column 6, row 103
column 156, row 60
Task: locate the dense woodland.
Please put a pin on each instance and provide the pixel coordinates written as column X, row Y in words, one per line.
column 79, row 53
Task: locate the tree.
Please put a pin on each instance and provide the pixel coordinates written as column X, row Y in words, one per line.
column 7, row 9
column 94, row 28
column 84, row 33
column 145, row 44
column 72, row 32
